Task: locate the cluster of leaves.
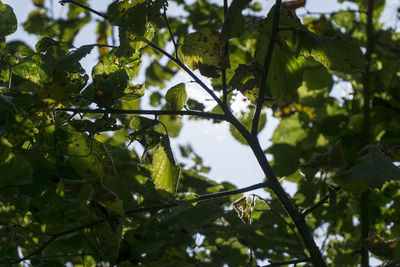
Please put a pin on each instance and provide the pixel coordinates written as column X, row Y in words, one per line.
column 71, row 189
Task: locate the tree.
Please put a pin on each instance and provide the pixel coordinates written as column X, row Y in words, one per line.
column 73, row 191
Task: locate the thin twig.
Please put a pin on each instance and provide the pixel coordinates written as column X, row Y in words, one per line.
column 366, row 128
column 287, row 262
column 188, row 71
column 225, row 52
column 291, row 226
column 9, row 76
column 146, row 112
column 162, row 51
column 137, row 210
column 63, row 2
column 335, row 12
column 250, row 231
column 267, row 62
column 319, row 203
column 170, row 33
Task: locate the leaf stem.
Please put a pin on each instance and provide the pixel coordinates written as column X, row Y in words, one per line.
column 63, row 2
column 157, row 207
column 207, row 115
column 267, row 62
column 287, row 262
column 319, row 203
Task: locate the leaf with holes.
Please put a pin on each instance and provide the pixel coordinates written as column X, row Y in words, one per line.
column 203, row 50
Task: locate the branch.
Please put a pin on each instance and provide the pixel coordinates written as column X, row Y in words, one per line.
column 319, row 203
column 226, row 47
column 366, row 128
column 198, row 199
column 137, row 210
column 63, row 2
column 147, row 112
column 159, row 49
column 170, row 33
column 335, row 12
column 268, row 57
column 188, row 71
column 287, row 262
column 291, row 226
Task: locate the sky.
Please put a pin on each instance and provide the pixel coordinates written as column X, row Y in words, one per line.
column 229, row 160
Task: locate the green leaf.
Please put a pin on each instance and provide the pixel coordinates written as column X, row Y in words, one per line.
column 157, row 74
column 15, row 169
column 286, row 159
column 139, row 123
column 333, row 158
column 340, row 53
column 133, row 92
column 131, row 15
column 203, row 50
column 289, row 131
column 374, row 167
column 317, row 77
column 176, row 96
column 76, row 55
column 246, row 78
column 173, row 124
column 82, row 158
column 164, row 172
column 8, row 20
column 234, row 21
column 108, row 239
column 285, row 72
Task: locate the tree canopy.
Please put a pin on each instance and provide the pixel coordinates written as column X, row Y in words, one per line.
column 73, row 191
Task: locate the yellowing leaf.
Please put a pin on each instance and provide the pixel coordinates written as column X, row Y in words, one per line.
column 203, row 50
column 164, row 172
column 243, row 209
column 379, row 247
column 177, row 96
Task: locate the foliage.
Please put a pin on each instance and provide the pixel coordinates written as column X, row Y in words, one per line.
column 73, row 190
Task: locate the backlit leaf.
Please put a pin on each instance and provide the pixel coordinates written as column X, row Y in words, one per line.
column 246, row 118
column 165, row 173
column 203, row 50
column 139, row 123
column 82, row 158
column 234, row 21
column 176, row 96
column 339, row 53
